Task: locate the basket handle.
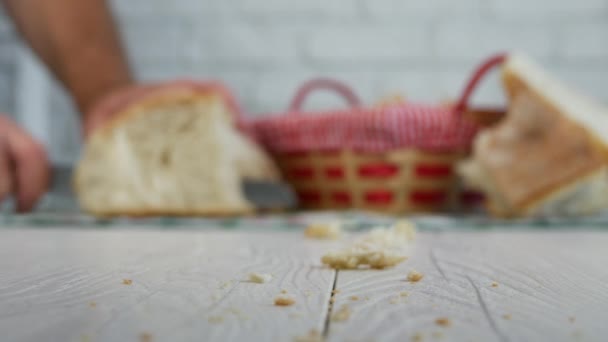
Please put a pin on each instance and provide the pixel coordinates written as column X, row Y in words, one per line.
column 323, row 83
column 473, row 82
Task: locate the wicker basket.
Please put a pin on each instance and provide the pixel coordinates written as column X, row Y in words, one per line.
column 333, row 162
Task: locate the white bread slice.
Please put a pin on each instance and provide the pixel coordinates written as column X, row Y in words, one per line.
column 521, row 74
column 176, row 152
column 547, row 157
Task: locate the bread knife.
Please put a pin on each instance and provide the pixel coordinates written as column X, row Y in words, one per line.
column 264, row 195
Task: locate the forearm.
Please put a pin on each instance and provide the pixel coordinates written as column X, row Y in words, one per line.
column 78, row 41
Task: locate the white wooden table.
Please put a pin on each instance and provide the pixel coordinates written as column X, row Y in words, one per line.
column 67, row 285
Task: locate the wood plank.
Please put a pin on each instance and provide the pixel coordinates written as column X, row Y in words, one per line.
column 186, row 286
column 550, row 286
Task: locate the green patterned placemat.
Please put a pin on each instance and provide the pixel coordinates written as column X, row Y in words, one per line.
column 352, row 220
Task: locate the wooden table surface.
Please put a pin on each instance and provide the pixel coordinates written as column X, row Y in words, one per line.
column 67, row 285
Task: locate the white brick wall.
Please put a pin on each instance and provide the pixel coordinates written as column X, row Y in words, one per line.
column 264, row 49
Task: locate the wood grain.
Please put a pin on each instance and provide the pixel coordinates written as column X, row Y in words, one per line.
column 67, row 285
column 550, row 286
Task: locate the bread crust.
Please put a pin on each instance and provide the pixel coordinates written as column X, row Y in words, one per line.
column 211, row 212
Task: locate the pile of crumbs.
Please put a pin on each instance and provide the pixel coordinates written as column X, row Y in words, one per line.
column 341, row 315
column 260, row 278
column 312, row 336
column 324, row 231
column 284, row 301
column 127, row 281
column 414, row 276
column 378, row 249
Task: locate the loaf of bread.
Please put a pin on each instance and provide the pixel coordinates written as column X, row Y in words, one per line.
column 548, row 155
column 174, row 152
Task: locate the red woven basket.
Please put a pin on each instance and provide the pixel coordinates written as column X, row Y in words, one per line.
column 394, row 158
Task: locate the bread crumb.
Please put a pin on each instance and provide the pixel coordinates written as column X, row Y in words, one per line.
column 92, row 304
column 353, row 298
column 127, row 281
column 341, row 315
column 404, row 294
column 323, row 231
column 335, row 291
column 260, row 278
column 571, row 319
column 417, row 337
column 234, row 311
column 225, row 284
column 284, row 291
column 506, row 316
column 145, row 337
column 284, row 301
column 442, row 321
column 312, row 336
column 414, row 276
column 437, row 334
column 332, row 299
column 494, row 284
column 215, row 319
column 380, row 248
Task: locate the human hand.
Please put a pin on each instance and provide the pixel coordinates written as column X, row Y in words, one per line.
column 24, row 166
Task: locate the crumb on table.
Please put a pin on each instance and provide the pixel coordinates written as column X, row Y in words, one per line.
column 571, row 319
column 404, row 294
column 260, row 278
column 417, row 337
column 414, row 276
column 494, row 284
column 506, row 316
column 437, row 334
column 284, row 301
column 312, row 336
column 127, row 281
column 283, row 291
column 92, row 304
column 353, row 297
column 443, row 322
column 215, row 319
column 341, row 315
column 145, row 337
column 325, row 231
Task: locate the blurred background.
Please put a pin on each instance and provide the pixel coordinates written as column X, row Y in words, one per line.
column 265, row 49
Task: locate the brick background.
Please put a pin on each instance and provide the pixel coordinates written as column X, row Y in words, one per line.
column 264, row 49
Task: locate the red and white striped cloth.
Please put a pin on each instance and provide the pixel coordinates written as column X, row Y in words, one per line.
column 424, row 127
column 432, row 128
